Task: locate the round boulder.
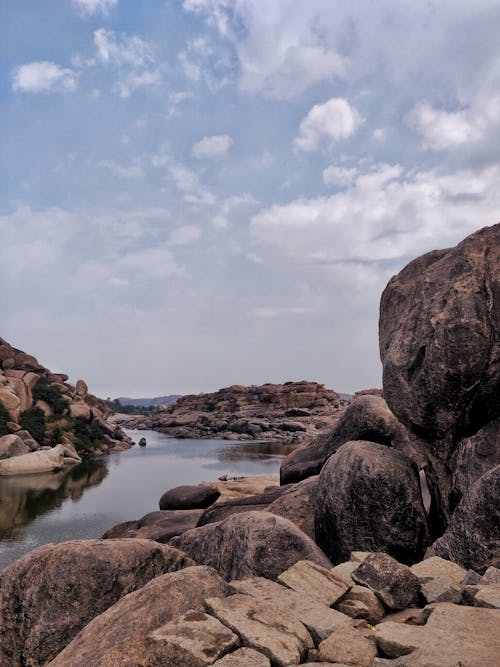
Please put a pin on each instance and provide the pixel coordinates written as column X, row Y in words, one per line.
column 188, row 497
column 257, row 544
column 369, row 499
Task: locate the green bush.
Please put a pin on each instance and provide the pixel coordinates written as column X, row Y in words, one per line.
column 4, row 418
column 85, row 436
column 33, row 420
column 51, row 394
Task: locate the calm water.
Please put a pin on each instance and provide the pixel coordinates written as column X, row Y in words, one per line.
column 86, row 500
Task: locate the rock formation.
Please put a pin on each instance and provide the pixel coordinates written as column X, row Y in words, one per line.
column 286, row 412
column 52, row 412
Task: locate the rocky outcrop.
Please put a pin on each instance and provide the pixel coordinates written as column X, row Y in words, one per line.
column 253, row 543
column 32, row 394
column 473, row 535
column 285, row 412
column 369, row 498
column 54, row 458
column 366, row 418
column 120, row 636
column 49, row 595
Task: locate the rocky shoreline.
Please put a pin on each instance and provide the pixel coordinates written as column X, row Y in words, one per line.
column 347, row 561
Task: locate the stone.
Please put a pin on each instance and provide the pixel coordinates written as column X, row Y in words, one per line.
column 187, row 497
column 193, row 639
column 243, row 657
column 441, row 589
column 160, row 526
column 54, row 458
column 367, row 418
column 453, row 635
column 369, row 498
column 413, row 616
column 51, row 593
column 314, row 580
column 472, row 538
column 488, row 596
column 297, row 504
column 473, row 457
column 12, row 445
column 394, row 583
column 352, row 646
column 471, row 578
column 491, row 576
column 282, row 639
column 142, row 442
column 433, row 567
column 119, row 636
column 79, row 410
column 345, row 570
column 439, row 341
column 81, row 388
column 249, row 544
column 318, row 618
column 222, row 509
column 361, row 602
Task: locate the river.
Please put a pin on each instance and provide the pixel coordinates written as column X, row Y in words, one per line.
column 82, row 502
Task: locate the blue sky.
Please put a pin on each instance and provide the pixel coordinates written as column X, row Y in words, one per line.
column 201, row 193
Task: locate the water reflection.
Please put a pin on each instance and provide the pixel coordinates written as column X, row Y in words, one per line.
column 24, row 497
column 255, row 451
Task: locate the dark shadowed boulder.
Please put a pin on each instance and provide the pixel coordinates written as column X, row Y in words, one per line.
column 119, row 636
column 188, row 497
column 475, row 456
column 440, row 341
column 366, row 418
column 472, row 538
column 159, row 526
column 369, row 499
column 250, row 544
column 51, row 593
column 297, row 504
column 222, row 509
column 393, row 583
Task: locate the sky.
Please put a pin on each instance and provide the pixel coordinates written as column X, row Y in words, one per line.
column 201, row 193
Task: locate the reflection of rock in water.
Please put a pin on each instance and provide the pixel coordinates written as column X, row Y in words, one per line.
column 24, row 497
column 254, row 451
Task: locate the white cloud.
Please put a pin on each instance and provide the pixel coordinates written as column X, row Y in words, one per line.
column 44, row 77
column 184, row 235
column 213, row 146
column 184, row 178
column 132, row 170
column 386, row 214
column 331, row 121
column 91, row 7
column 339, row 176
column 123, row 49
column 444, row 129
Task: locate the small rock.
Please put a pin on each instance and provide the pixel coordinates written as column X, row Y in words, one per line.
column 471, row 578
column 188, row 497
column 282, row 639
column 142, row 442
column 394, row 583
column 313, row 580
column 191, row 640
column 488, row 596
column 491, row 576
column 244, row 657
column 361, row 602
column 441, row 589
column 352, row 646
column 433, row 567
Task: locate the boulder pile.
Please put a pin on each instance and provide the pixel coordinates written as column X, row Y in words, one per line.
column 39, row 409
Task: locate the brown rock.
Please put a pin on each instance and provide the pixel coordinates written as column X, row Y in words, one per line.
column 119, row 635
column 361, row 602
column 51, row 593
column 297, row 503
column 433, row 567
column 315, row 581
column 12, row 445
column 224, row 508
column 352, row 646
column 369, row 498
column 394, row 583
column 244, row 657
column 249, row 544
column 193, row 497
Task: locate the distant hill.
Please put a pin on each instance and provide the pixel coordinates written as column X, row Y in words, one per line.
column 148, row 402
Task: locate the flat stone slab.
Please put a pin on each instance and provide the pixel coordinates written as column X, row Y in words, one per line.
column 283, row 639
column 438, row 567
column 344, row 571
column 191, row 640
column 319, row 619
column 349, row 645
column 244, row 657
column 453, row 635
column 314, row 581
column 442, row 589
column 488, row 596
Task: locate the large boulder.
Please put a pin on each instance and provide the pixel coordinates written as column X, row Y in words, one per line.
column 250, row 544
column 472, row 538
column 12, row 445
column 51, row 593
column 440, row 341
column 369, row 499
column 42, row 461
column 297, row 503
column 188, row 497
column 366, row 418
column 119, row 636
